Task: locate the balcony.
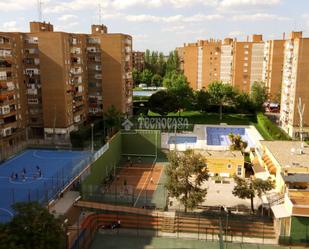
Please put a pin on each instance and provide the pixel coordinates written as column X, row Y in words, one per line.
column 98, row 76
column 5, row 53
column 93, row 50
column 76, row 51
column 31, row 51
column 76, row 61
column 75, row 71
column 93, row 41
column 5, row 64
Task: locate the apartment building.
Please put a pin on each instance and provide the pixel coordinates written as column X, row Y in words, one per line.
column 247, row 63
column 295, row 84
column 52, row 82
column 138, row 59
column 12, row 98
column 273, row 67
column 201, row 62
column 226, row 72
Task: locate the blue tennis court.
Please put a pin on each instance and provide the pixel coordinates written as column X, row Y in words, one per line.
column 182, row 140
column 219, row 135
column 37, row 175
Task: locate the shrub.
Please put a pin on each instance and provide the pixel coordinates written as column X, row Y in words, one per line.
column 273, row 130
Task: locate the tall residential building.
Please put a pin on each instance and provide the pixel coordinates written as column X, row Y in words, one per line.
column 273, row 67
column 138, row 59
column 51, row 82
column 295, row 84
column 226, row 61
column 13, row 114
column 247, row 63
column 201, row 62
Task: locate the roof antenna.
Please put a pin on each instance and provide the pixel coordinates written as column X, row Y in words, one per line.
column 39, row 3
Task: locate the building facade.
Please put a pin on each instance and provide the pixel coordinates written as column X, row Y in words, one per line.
column 273, row 67
column 247, row 63
column 226, row 61
column 295, row 87
column 52, row 82
column 138, row 59
column 201, row 63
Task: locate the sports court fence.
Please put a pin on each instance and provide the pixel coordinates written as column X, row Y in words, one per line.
column 8, row 151
column 45, row 188
column 294, row 231
column 137, row 147
column 207, row 227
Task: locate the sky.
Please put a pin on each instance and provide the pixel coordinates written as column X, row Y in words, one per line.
column 163, row 25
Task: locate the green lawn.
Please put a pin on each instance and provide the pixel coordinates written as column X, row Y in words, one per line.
column 196, row 117
column 134, row 242
column 266, row 128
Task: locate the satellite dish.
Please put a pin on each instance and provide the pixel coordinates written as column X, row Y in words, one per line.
column 293, row 150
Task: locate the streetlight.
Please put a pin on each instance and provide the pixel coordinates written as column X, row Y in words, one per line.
column 92, row 125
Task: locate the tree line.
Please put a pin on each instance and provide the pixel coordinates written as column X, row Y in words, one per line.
column 157, row 69
column 179, row 96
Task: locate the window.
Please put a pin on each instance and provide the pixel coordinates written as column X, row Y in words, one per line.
column 229, row 166
column 239, row 170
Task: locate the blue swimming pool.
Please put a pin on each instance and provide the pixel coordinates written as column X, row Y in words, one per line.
column 182, row 140
column 219, row 135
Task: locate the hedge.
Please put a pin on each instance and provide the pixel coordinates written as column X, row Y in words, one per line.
column 269, row 129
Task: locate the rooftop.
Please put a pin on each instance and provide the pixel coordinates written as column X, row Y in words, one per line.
column 287, row 153
column 221, row 154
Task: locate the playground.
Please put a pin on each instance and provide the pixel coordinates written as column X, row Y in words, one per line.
column 37, row 175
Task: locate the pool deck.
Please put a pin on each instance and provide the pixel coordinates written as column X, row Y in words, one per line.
column 199, row 131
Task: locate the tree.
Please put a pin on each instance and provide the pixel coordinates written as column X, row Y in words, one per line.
column 173, row 62
column 250, row 188
column 162, row 102
column 136, row 77
column 202, row 100
column 156, row 80
column 237, row 143
column 221, row 94
column 33, row 227
column 186, row 172
column 145, row 77
column 184, row 97
column 258, row 95
column 243, row 103
column 112, row 119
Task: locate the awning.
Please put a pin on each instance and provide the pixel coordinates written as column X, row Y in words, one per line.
column 280, row 211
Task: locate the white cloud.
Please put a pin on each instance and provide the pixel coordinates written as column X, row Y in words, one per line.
column 242, row 3
column 66, row 18
column 171, row 19
column 9, row 26
column 174, row 28
column 259, row 17
column 15, row 5
column 140, row 37
column 235, row 33
column 201, row 18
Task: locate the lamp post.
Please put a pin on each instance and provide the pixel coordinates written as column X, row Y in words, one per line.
column 92, row 125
